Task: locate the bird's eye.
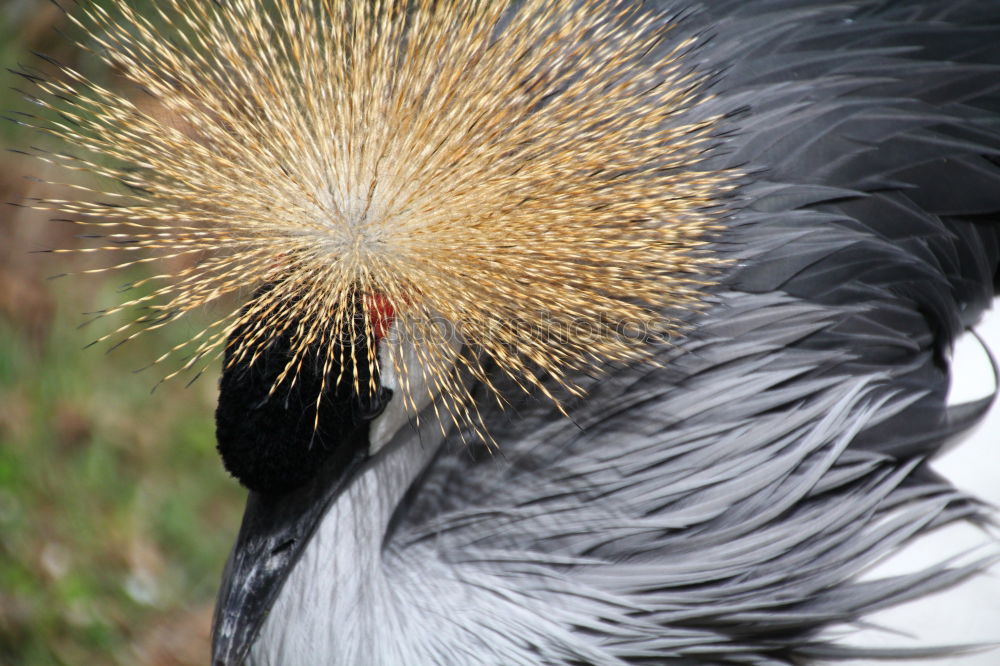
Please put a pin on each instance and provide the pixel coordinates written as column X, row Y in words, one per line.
column 371, row 405
column 273, row 435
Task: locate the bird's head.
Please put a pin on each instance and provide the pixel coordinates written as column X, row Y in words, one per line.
column 274, row 440
column 402, row 192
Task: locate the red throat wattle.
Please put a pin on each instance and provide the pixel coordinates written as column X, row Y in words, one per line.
column 381, row 313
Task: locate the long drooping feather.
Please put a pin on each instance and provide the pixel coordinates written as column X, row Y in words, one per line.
column 721, row 508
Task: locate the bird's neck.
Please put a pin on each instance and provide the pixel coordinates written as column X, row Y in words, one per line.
column 341, row 581
column 367, row 505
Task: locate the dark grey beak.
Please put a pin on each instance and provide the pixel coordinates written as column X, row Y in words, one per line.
column 274, row 533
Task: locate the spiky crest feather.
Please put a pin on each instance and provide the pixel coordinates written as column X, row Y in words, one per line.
column 520, row 175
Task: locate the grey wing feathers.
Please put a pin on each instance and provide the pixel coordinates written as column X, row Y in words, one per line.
column 719, row 509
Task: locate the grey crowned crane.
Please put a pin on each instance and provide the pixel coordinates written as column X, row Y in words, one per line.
column 574, row 332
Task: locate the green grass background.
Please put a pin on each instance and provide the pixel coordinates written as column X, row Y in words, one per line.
column 115, row 514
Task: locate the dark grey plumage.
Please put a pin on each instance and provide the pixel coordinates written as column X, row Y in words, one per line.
column 718, row 509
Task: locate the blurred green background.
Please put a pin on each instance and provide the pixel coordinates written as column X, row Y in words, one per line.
column 115, row 514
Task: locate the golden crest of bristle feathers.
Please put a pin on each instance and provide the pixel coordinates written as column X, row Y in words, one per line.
column 521, row 172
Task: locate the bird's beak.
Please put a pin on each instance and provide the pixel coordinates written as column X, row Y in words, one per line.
column 274, row 533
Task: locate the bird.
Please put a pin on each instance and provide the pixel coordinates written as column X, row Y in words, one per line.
column 572, row 332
